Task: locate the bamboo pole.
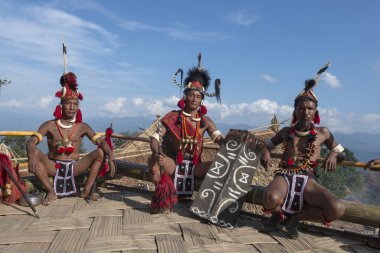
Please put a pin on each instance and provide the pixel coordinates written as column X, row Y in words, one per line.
column 213, row 147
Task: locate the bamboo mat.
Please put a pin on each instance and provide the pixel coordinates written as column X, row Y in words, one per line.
column 121, row 222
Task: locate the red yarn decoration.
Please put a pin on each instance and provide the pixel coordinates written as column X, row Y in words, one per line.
column 179, row 157
column 58, row 94
column 317, row 119
column 58, row 112
column 203, row 110
column 181, row 103
column 78, row 117
column 80, row 96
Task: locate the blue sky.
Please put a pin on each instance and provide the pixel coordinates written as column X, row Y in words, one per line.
column 126, row 52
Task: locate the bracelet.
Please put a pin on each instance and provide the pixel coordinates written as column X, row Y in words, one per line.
column 94, row 138
column 39, row 136
column 215, row 135
column 338, row 149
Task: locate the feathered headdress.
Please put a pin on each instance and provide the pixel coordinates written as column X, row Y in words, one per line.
column 69, row 90
column 308, row 94
column 198, row 79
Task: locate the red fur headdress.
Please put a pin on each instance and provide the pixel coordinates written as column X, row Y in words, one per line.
column 69, row 90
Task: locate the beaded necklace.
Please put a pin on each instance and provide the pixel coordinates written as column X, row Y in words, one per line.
column 287, row 162
column 65, row 145
column 189, row 142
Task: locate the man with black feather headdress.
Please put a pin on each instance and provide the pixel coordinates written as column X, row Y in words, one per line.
column 294, row 191
column 182, row 138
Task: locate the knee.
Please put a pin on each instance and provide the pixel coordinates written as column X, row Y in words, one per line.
column 272, row 199
column 337, row 210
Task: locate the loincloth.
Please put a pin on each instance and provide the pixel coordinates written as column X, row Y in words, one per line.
column 64, row 183
column 296, row 186
column 184, row 177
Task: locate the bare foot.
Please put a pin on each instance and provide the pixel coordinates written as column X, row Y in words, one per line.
column 95, row 196
column 50, row 196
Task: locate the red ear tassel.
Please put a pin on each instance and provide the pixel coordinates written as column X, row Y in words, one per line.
column 58, row 94
column 181, row 103
column 78, row 117
column 317, row 119
column 203, row 110
column 80, row 96
column 58, row 112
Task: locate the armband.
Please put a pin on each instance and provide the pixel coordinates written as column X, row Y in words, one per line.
column 39, row 136
column 269, row 144
column 215, row 135
column 338, row 149
column 155, row 136
column 95, row 137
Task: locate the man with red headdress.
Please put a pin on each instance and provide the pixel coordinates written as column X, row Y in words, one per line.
column 294, row 191
column 182, row 138
column 64, row 137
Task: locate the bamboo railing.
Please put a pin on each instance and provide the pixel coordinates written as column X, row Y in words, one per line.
column 368, row 215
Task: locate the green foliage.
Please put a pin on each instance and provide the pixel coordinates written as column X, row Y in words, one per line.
column 118, row 142
column 17, row 143
column 344, row 180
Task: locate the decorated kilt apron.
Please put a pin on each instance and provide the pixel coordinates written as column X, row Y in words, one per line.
column 184, row 177
column 64, row 183
column 228, row 180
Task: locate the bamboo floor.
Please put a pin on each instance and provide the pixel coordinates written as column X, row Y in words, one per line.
column 121, row 222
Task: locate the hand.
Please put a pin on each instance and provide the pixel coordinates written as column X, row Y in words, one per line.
column 112, row 167
column 33, row 165
column 374, row 162
column 265, row 159
column 330, row 161
column 166, row 162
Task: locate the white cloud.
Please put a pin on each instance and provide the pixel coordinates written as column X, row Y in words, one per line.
column 371, row 117
column 331, row 80
column 328, row 112
column 116, row 105
column 44, row 102
column 242, row 18
column 268, row 78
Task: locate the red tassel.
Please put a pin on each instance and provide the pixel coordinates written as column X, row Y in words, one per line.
column 58, row 94
column 57, row 166
column 290, row 161
column 179, row 157
column 69, row 150
column 203, row 110
column 58, row 112
column 61, row 150
column 317, row 119
column 164, row 197
column 109, row 132
column 195, row 159
column 104, row 170
column 78, row 117
column 80, row 96
column 181, row 103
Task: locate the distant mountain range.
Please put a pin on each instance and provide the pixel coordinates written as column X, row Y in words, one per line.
column 364, row 145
